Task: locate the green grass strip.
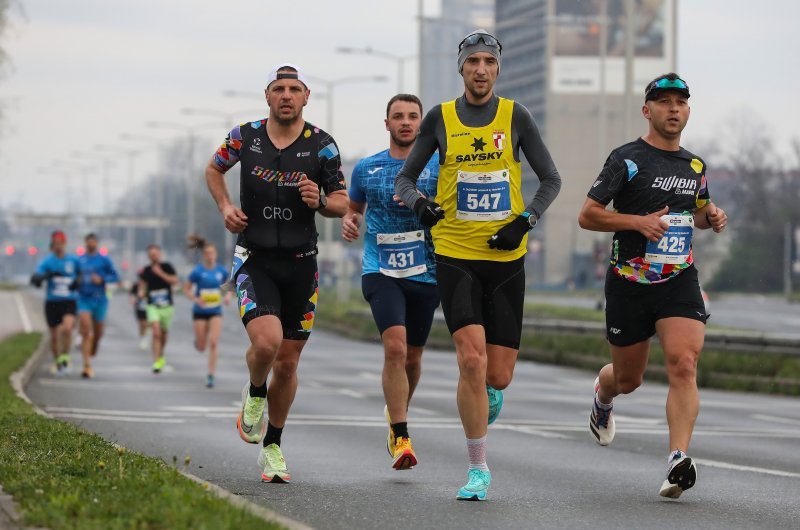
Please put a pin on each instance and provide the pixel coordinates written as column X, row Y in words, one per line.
column 66, row 478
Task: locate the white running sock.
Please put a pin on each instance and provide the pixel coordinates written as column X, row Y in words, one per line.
column 599, row 404
column 673, row 455
column 477, row 453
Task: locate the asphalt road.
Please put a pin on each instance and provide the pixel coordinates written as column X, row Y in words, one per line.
column 547, row 472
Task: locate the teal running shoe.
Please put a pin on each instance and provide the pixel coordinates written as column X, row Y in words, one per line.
column 476, row 487
column 495, row 403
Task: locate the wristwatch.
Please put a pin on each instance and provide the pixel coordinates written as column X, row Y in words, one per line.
column 532, row 219
column 323, row 202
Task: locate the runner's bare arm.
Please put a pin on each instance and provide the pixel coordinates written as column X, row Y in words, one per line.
column 594, row 216
column 235, row 219
column 711, row 216
column 337, row 204
column 351, row 221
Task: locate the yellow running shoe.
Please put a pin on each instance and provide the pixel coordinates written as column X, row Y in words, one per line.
column 273, row 465
column 160, row 364
column 404, row 456
column 390, row 437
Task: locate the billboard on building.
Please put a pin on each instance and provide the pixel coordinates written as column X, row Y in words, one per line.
column 581, row 26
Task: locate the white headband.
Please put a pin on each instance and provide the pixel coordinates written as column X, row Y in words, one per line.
column 274, row 75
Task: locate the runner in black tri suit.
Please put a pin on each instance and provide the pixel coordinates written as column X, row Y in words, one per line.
column 660, row 196
column 286, row 165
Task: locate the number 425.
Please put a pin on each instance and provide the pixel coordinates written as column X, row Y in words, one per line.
column 672, row 244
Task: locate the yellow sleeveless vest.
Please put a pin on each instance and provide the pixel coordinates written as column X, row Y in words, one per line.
column 480, row 187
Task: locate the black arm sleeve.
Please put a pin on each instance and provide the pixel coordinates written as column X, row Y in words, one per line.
column 530, row 141
column 405, row 183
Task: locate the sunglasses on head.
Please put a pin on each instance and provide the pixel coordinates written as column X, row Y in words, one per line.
column 471, row 40
column 667, row 83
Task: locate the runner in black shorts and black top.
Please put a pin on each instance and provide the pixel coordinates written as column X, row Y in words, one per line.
column 660, row 196
column 398, row 267
column 286, row 165
column 480, row 233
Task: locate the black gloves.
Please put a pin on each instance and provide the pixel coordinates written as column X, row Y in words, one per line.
column 510, row 236
column 37, row 279
column 428, row 212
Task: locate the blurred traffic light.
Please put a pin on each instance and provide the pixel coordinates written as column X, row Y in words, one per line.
column 103, row 251
column 80, row 251
column 32, row 251
column 9, row 250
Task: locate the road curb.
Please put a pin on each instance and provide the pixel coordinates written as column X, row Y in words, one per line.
column 20, row 379
column 251, row 507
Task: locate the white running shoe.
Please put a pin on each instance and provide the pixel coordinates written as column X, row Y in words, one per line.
column 601, row 422
column 681, row 475
column 251, row 422
column 143, row 344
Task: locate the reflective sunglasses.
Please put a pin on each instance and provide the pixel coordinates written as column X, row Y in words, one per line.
column 471, row 40
column 667, row 83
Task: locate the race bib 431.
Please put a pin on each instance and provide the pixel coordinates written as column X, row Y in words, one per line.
column 402, row 255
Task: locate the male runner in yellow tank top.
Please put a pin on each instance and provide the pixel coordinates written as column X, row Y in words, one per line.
column 479, row 226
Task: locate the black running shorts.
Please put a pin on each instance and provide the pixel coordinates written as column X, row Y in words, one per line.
column 283, row 286
column 632, row 309
column 401, row 302
column 56, row 310
column 488, row 293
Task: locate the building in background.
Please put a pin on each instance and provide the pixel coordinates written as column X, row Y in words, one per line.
column 566, row 60
column 439, row 39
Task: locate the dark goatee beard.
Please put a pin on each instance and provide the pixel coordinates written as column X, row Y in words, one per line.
column 284, row 122
column 402, row 143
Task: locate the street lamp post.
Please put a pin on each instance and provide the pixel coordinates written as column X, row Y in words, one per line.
column 159, row 187
column 190, row 188
column 399, row 59
column 331, row 84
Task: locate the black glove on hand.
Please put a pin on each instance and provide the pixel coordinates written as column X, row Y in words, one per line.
column 428, row 212
column 510, row 236
column 37, row 279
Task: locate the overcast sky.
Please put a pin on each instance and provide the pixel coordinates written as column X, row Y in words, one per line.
column 85, row 71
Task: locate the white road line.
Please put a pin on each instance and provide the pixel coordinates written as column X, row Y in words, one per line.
column 116, row 418
column 775, row 419
column 370, row 375
column 105, row 412
column 351, row 393
column 751, row 469
column 23, row 313
column 420, row 410
column 640, row 421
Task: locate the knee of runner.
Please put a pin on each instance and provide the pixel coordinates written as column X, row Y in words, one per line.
column 472, row 362
column 395, row 350
column 499, row 380
column 682, row 367
column 284, row 368
column 265, row 348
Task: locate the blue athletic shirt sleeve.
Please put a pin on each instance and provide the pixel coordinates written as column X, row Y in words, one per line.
column 356, row 191
column 111, row 275
column 194, row 276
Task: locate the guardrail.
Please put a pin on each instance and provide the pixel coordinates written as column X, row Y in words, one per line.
column 732, row 340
